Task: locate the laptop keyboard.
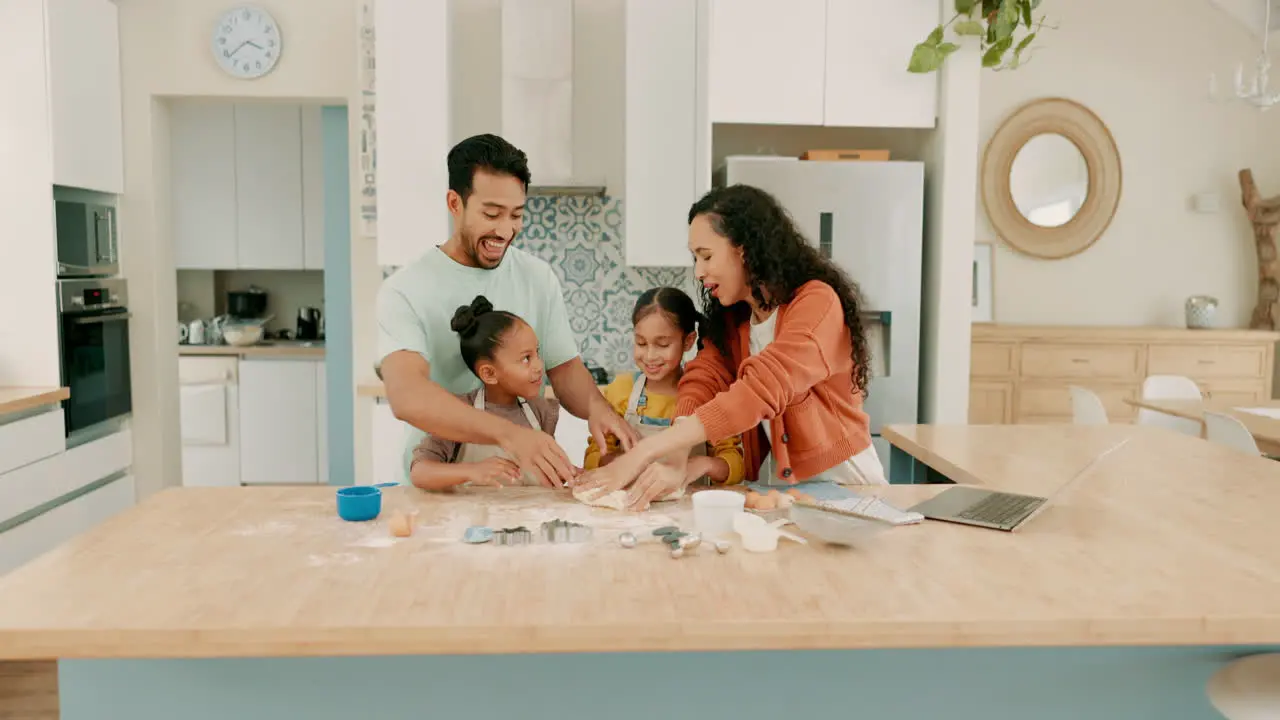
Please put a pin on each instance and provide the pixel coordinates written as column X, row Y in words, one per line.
column 1000, row 508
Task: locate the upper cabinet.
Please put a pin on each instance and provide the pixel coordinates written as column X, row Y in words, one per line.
column 767, row 61
column 667, row 130
column 412, row 57
column 84, row 94
column 820, row 62
column 247, row 186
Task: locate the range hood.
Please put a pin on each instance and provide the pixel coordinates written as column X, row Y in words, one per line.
column 537, row 93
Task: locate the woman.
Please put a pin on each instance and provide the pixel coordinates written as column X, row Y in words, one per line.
column 783, row 361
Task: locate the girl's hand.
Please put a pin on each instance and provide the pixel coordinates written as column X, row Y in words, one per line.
column 494, row 472
column 706, row 466
column 656, row 482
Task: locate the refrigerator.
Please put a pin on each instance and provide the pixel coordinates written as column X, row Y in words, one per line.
column 868, row 217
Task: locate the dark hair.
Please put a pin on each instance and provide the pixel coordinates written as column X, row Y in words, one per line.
column 778, row 261
column 485, row 152
column 480, row 329
column 674, row 303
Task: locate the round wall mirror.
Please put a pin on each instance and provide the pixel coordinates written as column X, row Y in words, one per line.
column 1051, row 179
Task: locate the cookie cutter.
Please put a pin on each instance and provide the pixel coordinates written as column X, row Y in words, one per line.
column 563, row 531
column 513, row 536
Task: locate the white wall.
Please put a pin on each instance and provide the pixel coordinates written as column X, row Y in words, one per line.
column 165, row 52
column 1144, row 70
column 950, row 186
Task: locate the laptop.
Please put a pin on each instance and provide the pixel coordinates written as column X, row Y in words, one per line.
column 994, row 509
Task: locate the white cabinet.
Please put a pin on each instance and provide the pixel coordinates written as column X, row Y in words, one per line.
column 821, row 62
column 767, row 61
column 322, row 424
column 667, row 130
column 387, row 444
column 209, row 404
column 269, row 186
column 202, row 174
column 279, row 422
column 247, row 186
column 44, row 532
column 83, row 39
column 867, row 83
column 413, row 127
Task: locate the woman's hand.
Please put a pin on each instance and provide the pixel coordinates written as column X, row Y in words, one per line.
column 706, row 466
column 655, row 482
column 616, row 475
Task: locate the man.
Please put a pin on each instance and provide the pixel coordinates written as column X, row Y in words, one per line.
column 419, row 360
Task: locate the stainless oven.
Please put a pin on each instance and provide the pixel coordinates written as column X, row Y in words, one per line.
column 95, row 351
column 87, row 244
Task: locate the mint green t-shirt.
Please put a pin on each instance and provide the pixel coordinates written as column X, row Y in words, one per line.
column 416, row 304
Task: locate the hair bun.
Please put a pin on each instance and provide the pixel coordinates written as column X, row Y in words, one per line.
column 466, row 319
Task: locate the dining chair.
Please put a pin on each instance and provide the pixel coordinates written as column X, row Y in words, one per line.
column 1227, row 430
column 1087, row 407
column 1170, row 387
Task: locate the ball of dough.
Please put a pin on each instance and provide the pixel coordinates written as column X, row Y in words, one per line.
column 401, row 525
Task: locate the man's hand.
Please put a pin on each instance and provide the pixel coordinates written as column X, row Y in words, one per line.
column 494, row 472
column 539, row 455
column 706, row 466
column 606, row 421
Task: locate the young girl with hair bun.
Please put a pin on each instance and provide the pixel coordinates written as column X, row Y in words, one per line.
column 502, row 350
column 666, row 327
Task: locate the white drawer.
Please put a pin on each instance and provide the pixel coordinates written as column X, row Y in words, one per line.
column 30, row 439
column 33, row 485
column 41, row 534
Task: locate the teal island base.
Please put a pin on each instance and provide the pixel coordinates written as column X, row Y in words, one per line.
column 955, row 684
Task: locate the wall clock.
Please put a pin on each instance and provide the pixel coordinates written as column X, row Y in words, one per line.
column 247, row 42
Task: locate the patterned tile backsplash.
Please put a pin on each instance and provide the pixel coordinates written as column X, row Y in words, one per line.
column 581, row 237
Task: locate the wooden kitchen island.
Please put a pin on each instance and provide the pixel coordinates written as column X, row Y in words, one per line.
column 1117, row 602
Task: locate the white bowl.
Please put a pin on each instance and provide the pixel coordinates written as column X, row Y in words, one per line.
column 714, row 510
column 834, row 528
column 241, row 335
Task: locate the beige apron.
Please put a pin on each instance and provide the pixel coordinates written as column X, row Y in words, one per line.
column 471, row 453
column 647, row 426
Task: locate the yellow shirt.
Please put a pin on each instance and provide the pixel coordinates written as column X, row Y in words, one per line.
column 659, row 406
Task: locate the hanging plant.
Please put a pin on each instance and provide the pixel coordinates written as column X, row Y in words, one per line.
column 995, row 22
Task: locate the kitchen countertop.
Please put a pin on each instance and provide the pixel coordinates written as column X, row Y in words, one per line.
column 1168, row 542
column 271, row 348
column 18, row 399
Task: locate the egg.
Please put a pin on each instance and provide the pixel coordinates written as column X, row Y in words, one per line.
column 766, row 502
column 753, row 500
column 786, row 501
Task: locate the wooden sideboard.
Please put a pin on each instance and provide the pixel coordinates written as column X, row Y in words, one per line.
column 1020, row 373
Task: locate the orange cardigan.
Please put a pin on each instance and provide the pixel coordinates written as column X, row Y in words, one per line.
column 802, row 383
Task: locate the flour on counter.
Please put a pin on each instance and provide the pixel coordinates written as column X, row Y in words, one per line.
column 266, row 528
column 335, row 559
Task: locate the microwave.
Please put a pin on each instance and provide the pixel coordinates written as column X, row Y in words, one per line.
column 87, row 244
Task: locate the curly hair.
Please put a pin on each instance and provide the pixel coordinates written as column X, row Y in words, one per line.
column 778, row 261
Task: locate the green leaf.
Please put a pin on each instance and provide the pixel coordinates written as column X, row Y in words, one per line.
column 935, row 37
column 1025, row 42
column 925, row 58
column 989, row 7
column 1006, row 19
column 995, row 54
column 970, row 27
column 947, row 48
column 1026, row 13
column 964, row 7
